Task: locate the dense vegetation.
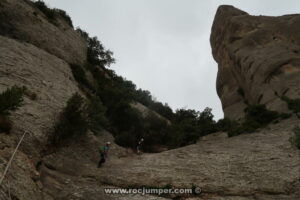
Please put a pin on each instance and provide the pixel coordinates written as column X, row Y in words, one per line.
column 257, row 116
column 128, row 125
column 10, row 100
column 112, row 87
column 117, row 94
column 52, row 13
column 293, row 104
column 77, row 117
column 80, row 76
column 96, row 114
column 72, row 121
column 185, row 128
column 96, row 52
column 188, row 126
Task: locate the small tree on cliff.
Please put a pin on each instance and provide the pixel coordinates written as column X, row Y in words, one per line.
column 96, row 53
column 71, row 122
column 10, row 100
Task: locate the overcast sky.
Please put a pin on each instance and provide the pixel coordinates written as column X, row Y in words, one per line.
column 163, row 45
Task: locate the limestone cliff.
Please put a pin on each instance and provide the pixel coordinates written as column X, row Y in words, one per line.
column 258, row 58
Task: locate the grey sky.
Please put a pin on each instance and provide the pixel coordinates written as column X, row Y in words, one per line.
column 163, row 45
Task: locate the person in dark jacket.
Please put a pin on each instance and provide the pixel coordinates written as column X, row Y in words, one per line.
column 103, row 154
column 139, row 146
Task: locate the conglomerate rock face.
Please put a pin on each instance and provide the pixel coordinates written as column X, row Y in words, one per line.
column 258, row 58
column 20, row 20
column 50, row 78
column 259, row 166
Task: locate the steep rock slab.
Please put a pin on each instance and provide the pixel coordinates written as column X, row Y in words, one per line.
column 262, row 166
column 50, row 78
column 258, row 58
column 20, row 19
column 71, row 173
column 43, row 74
column 61, row 175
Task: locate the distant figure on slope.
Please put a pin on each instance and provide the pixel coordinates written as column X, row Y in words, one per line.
column 139, row 146
column 103, row 153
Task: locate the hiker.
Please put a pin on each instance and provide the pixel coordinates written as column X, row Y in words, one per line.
column 103, row 153
column 139, row 146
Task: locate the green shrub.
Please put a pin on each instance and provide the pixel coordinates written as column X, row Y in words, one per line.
column 144, row 97
column 77, row 117
column 5, row 124
column 125, row 118
column 257, row 116
column 241, row 92
column 52, row 14
column 163, row 109
column 293, row 104
column 131, row 126
column 64, row 15
column 7, row 28
column 126, row 139
column 11, row 99
column 181, row 134
column 96, row 53
column 260, row 115
column 96, row 114
column 295, row 140
column 285, row 115
column 154, row 122
column 226, row 124
column 71, row 123
column 80, row 76
column 188, row 126
column 206, row 122
column 153, row 133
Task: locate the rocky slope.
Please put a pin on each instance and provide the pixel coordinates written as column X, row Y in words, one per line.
column 258, row 59
column 34, row 53
column 22, row 21
column 263, row 165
